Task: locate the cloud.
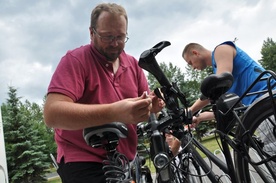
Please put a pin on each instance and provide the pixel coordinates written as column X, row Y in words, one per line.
column 34, row 35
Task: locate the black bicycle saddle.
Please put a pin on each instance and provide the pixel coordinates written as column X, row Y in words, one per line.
column 215, row 85
column 100, row 135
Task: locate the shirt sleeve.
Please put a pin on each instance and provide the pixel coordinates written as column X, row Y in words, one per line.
column 68, row 78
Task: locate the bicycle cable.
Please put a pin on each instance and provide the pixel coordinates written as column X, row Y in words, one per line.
column 117, row 168
column 182, row 152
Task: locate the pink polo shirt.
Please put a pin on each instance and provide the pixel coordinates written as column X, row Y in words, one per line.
column 84, row 75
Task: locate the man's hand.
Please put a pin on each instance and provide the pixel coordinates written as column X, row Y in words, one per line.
column 173, row 143
column 205, row 116
column 133, row 110
column 157, row 103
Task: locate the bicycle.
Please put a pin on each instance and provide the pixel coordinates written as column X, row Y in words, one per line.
column 239, row 127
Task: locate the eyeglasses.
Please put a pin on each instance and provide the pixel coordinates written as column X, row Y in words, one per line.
column 110, row 39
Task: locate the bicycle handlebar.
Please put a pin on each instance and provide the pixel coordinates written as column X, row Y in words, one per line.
column 170, row 91
column 148, row 62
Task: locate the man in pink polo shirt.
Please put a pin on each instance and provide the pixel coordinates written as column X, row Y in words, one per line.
column 93, row 85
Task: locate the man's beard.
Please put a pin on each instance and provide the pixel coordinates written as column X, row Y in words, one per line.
column 108, row 52
column 111, row 57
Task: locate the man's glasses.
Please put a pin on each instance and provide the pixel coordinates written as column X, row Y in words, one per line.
column 110, row 39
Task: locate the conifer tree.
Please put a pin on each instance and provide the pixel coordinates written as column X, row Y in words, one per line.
column 25, row 147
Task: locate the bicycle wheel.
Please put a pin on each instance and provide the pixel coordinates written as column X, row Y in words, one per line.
column 185, row 171
column 185, row 167
column 193, row 175
column 259, row 143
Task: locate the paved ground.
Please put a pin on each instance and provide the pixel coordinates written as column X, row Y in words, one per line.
column 52, row 175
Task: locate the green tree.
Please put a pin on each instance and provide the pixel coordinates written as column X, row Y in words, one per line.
column 34, row 113
column 172, row 72
column 268, row 52
column 193, row 81
column 25, row 145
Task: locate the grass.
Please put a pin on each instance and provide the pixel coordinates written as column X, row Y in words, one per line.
column 55, row 180
column 209, row 142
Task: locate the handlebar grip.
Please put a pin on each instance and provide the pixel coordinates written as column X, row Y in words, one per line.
column 148, row 62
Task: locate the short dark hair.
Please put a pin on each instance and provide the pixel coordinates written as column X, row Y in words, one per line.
column 191, row 46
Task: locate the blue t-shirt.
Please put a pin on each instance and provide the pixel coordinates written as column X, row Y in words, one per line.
column 245, row 71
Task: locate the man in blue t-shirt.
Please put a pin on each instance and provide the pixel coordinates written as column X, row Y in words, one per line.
column 226, row 57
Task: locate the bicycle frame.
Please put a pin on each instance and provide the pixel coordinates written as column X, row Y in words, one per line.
column 228, row 167
column 176, row 118
column 147, row 61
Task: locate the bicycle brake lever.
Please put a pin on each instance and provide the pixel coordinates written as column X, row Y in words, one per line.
column 158, row 94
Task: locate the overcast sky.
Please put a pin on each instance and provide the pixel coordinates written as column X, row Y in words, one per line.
column 35, row 34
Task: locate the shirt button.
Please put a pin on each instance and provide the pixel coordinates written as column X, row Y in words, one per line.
column 106, row 65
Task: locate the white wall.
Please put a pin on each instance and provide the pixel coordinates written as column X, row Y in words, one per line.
column 3, row 161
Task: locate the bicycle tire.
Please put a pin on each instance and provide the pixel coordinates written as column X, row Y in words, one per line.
column 188, row 176
column 189, row 169
column 143, row 179
column 259, row 116
column 193, row 176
